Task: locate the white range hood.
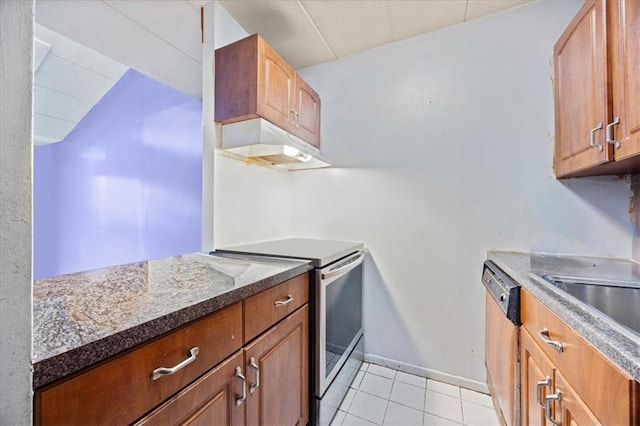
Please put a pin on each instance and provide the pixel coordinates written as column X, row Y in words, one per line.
column 261, row 142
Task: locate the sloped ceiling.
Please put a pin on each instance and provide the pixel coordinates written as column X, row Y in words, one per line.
column 83, row 46
column 69, row 80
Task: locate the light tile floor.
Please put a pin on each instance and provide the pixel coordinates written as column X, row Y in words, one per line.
column 382, row 396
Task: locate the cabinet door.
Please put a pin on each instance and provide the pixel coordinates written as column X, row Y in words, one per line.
column 536, row 376
column 276, row 80
column 581, row 91
column 625, row 65
column 307, row 121
column 211, row 400
column 277, row 368
column 500, row 355
column 570, row 410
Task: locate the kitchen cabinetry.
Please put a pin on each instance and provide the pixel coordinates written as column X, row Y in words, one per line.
column 209, row 400
column 566, row 381
column 500, row 359
column 278, row 373
column 210, row 372
column 597, row 91
column 252, row 80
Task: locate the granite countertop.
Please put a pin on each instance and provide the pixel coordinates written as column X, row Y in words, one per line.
column 619, row 344
column 83, row 318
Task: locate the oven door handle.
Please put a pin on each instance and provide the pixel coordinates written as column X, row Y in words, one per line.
column 340, row 271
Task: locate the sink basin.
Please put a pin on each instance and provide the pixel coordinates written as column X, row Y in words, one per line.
column 618, row 299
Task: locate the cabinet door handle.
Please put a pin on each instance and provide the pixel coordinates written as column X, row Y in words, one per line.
column 543, row 383
column 609, row 133
column 592, row 137
column 256, row 385
column 242, row 397
column 288, row 300
column 548, row 400
column 167, row 371
column 544, row 335
column 295, row 118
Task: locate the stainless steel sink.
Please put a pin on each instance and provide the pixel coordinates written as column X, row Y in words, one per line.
column 619, row 299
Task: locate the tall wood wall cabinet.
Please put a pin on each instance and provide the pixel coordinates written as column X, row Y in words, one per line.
column 597, row 91
column 253, row 80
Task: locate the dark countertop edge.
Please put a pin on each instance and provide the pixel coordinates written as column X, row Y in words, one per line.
column 615, row 345
column 59, row 366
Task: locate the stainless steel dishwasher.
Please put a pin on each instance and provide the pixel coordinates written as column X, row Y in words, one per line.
column 501, row 342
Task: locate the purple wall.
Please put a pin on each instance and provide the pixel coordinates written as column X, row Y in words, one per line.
column 125, row 185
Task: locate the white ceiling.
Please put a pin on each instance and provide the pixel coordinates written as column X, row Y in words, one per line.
column 83, row 47
column 308, row 32
column 69, row 80
column 161, row 38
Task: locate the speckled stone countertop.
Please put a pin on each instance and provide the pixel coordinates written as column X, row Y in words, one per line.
column 619, row 344
column 83, row 318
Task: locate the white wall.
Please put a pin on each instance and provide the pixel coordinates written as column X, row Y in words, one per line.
column 445, row 142
column 251, row 203
column 16, row 59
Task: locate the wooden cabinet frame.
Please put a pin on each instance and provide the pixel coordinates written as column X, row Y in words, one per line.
column 597, row 91
column 252, row 80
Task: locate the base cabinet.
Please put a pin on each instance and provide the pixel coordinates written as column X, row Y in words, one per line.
column 219, row 377
column 547, row 397
column 277, row 366
column 536, row 381
column 566, row 381
column 211, row 400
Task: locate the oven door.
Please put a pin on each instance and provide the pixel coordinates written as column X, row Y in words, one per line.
column 339, row 316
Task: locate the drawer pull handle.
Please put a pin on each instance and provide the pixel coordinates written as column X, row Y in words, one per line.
column 548, row 400
column 256, row 385
column 543, row 383
column 242, row 397
column 164, row 371
column 284, row 302
column 544, row 335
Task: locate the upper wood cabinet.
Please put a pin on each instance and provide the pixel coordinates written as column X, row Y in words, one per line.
column 597, row 91
column 252, row 80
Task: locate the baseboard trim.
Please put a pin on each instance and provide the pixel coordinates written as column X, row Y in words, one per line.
column 440, row 376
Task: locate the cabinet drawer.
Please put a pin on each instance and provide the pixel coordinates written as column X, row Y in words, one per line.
column 210, row 400
column 264, row 309
column 121, row 390
column 583, row 366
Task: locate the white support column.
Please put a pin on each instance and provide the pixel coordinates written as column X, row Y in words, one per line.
column 16, row 100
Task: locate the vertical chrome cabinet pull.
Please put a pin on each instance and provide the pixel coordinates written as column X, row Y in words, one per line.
column 592, row 136
column 544, row 335
column 295, row 118
column 242, row 397
column 288, row 300
column 543, row 383
column 609, row 133
column 167, row 371
column 548, row 400
column 256, row 385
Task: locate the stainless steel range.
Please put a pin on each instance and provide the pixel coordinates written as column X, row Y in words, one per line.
column 338, row 341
